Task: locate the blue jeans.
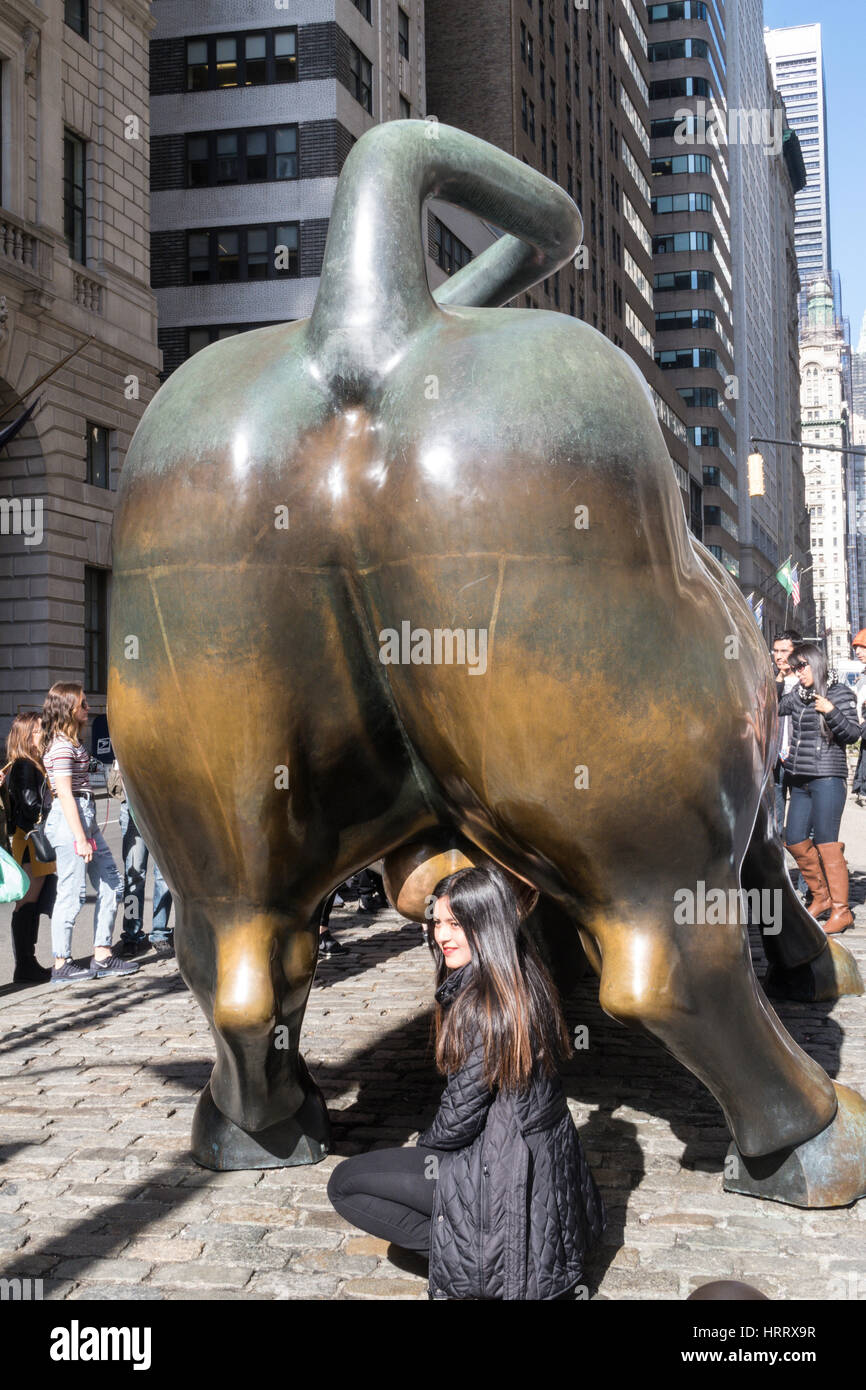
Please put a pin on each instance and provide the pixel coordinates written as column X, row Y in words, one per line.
column 72, row 874
column 135, row 857
column 815, row 809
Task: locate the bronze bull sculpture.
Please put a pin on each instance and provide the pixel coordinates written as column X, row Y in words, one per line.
column 310, row 514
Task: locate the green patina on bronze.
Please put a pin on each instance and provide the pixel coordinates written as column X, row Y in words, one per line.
column 295, row 494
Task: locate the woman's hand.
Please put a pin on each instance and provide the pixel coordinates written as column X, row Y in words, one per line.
column 823, row 705
column 84, row 848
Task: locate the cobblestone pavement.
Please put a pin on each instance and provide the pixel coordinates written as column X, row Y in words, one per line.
column 99, row 1198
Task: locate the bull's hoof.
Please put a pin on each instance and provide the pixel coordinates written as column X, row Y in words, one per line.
column 217, row 1142
column 828, row 1170
column 830, row 975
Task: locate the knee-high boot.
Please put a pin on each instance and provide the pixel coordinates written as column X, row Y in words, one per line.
column 25, row 927
column 836, row 871
column 810, row 866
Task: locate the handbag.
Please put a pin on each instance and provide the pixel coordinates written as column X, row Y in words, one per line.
column 41, row 848
column 14, row 882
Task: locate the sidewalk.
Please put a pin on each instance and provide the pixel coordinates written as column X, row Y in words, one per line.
column 100, row 1199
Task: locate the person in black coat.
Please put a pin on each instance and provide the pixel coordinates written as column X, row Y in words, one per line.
column 497, row 1190
column 823, row 716
column 29, row 800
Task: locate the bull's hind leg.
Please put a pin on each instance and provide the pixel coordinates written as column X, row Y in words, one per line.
column 804, row 962
column 690, row 983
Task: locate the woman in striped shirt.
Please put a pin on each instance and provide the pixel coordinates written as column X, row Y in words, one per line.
column 78, row 842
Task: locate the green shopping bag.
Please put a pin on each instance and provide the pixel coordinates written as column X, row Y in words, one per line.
column 13, row 880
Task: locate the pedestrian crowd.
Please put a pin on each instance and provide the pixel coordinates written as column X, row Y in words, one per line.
column 51, row 832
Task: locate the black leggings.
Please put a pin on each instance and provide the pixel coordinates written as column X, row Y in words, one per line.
column 388, row 1192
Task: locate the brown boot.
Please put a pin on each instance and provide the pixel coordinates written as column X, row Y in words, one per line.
column 810, row 866
column 836, row 872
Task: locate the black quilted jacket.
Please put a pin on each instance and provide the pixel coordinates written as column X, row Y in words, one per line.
column 28, row 795
column 810, row 755
column 516, row 1206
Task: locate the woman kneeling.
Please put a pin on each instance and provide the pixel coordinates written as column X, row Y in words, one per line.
column 497, row 1190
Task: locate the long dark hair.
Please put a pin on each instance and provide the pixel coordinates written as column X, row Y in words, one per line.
column 510, row 998
column 814, row 657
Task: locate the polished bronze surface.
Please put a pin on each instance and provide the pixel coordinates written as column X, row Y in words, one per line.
column 312, row 519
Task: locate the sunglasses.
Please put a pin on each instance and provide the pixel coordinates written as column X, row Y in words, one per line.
column 797, row 665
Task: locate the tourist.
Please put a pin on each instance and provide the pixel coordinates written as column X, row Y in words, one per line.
column 134, row 941
column 497, row 1190
column 78, row 842
column 823, row 720
column 29, row 799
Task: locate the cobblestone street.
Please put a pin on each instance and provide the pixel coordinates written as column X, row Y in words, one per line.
column 100, row 1199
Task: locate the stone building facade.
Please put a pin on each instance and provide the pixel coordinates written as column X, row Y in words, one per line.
column 74, row 278
column 830, row 476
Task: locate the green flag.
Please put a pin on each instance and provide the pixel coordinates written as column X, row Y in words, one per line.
column 784, row 576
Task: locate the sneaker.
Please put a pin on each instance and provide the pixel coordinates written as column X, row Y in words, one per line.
column 164, row 948
column 69, row 973
column 330, row 946
column 112, row 965
column 128, row 947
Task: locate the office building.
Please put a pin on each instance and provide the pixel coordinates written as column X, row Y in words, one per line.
column 830, row 477
column 797, row 63
column 566, row 89
column 691, row 246
column 766, row 172
column 253, row 117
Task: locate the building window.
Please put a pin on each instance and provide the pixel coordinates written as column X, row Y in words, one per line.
column 95, row 629
column 241, row 156
column 363, row 7
column 243, row 253
column 74, row 205
column 242, row 60
column 198, row 338
column 450, row 252
column 361, row 79
column 402, row 32
column 405, row 109
column 98, row 455
column 75, row 15
column 532, row 121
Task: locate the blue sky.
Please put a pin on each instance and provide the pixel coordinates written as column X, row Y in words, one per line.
column 843, row 29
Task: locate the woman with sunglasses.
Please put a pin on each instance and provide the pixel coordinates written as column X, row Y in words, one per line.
column 79, row 846
column 823, row 716
column 497, row 1190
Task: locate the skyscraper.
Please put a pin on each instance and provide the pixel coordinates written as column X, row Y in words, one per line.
column 830, row 478
column 797, row 63
column 691, row 246
column 565, row 87
column 253, row 118
column 766, row 170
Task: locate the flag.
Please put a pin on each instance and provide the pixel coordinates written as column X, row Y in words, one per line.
column 795, row 585
column 785, row 577
column 759, row 612
column 9, row 432
column 749, row 601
